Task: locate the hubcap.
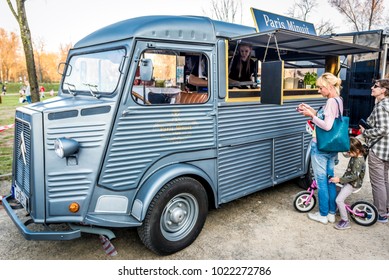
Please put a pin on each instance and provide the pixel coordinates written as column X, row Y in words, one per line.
column 179, row 217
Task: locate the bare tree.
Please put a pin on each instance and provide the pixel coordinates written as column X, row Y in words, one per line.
column 362, row 14
column 324, row 27
column 225, row 10
column 25, row 34
column 302, row 9
column 63, row 51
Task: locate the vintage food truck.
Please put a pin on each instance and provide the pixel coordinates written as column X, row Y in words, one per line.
column 129, row 142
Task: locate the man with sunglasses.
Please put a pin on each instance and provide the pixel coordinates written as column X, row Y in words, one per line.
column 379, row 153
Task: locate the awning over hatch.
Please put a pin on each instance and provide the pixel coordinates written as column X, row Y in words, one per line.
column 304, row 43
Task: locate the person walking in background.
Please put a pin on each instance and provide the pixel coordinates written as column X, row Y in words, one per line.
column 351, row 180
column 22, row 98
column 377, row 137
column 4, row 89
column 27, row 91
column 42, row 91
column 323, row 163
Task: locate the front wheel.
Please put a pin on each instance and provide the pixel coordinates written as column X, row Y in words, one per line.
column 302, row 203
column 364, row 213
column 175, row 217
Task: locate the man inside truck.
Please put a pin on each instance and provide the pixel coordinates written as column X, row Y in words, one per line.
column 188, row 86
column 197, row 68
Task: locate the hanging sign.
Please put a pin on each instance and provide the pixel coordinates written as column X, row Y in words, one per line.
column 266, row 21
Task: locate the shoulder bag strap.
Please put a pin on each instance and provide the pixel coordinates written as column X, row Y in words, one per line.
column 340, row 114
column 375, row 142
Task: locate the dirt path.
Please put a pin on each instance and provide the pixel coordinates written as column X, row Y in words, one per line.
column 261, row 226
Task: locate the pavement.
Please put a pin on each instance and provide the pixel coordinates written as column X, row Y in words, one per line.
column 261, row 226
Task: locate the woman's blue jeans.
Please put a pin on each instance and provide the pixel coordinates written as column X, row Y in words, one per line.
column 323, row 165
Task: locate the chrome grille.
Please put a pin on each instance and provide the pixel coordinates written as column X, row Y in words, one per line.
column 23, row 155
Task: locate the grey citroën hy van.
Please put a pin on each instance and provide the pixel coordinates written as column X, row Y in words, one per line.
column 129, row 142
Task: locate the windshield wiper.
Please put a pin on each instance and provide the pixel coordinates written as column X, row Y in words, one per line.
column 72, row 92
column 93, row 93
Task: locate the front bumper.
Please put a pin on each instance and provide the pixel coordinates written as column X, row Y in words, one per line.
column 47, row 234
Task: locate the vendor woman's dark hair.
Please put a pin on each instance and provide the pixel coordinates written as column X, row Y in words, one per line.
column 237, row 61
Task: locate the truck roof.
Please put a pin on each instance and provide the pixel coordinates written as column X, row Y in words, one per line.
column 205, row 30
column 183, row 28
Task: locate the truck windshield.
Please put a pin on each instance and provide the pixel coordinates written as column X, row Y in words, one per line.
column 99, row 71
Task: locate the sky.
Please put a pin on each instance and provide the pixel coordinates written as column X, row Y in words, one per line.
column 57, row 22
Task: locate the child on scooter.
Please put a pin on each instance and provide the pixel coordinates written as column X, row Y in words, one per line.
column 351, row 180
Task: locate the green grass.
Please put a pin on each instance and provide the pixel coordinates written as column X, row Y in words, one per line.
column 15, row 87
column 7, row 107
column 8, row 104
column 7, row 116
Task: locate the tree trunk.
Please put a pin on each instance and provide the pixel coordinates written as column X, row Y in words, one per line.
column 25, row 35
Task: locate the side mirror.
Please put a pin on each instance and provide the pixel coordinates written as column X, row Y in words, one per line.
column 62, row 67
column 146, row 69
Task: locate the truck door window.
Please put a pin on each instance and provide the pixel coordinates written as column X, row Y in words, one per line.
column 97, row 72
column 178, row 78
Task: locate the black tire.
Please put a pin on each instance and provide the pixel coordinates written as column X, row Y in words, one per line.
column 369, row 211
column 305, row 181
column 300, row 199
column 175, row 217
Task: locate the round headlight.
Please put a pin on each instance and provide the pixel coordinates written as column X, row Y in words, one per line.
column 65, row 147
column 58, row 148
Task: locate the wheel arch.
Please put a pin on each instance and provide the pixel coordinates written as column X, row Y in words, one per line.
column 307, row 159
column 156, row 181
column 305, row 180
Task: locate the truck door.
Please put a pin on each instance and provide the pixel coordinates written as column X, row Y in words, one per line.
column 165, row 120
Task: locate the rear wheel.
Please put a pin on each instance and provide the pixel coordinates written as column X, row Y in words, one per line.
column 306, row 181
column 368, row 212
column 300, row 201
column 175, row 216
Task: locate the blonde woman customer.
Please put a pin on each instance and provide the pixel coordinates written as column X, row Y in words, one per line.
column 323, row 163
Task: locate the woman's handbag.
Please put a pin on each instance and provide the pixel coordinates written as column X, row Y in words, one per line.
column 337, row 138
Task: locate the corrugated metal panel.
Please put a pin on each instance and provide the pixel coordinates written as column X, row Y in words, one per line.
column 244, row 169
column 88, row 135
column 237, row 123
column 73, row 181
column 288, row 156
column 259, row 145
column 69, row 184
column 150, row 133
